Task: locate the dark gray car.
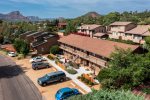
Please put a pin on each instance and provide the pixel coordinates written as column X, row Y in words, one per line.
column 40, row 65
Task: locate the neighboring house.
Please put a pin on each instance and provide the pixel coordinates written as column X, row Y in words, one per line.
column 30, row 36
column 90, row 52
column 43, row 42
column 8, row 47
column 138, row 33
column 90, row 30
column 62, row 25
column 23, row 35
column 117, row 29
column 40, row 41
column 100, row 35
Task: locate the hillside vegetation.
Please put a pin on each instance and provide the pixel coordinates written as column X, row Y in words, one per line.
column 95, row 18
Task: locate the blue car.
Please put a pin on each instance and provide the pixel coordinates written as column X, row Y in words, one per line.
column 65, row 93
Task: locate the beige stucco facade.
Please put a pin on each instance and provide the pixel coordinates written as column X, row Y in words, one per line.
column 119, row 32
column 91, row 31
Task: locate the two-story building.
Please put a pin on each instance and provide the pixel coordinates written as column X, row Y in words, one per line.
column 138, row 33
column 43, row 42
column 91, row 52
column 40, row 42
column 129, row 31
column 90, row 30
column 118, row 29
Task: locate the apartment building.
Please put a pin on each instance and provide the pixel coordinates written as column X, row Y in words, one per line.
column 90, row 30
column 62, row 25
column 138, row 34
column 118, row 29
column 90, row 52
column 129, row 31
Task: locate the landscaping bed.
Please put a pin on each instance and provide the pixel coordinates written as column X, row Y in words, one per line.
column 87, row 81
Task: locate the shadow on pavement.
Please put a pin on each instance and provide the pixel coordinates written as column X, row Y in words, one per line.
column 10, row 71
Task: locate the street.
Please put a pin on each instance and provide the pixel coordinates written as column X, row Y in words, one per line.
column 14, row 84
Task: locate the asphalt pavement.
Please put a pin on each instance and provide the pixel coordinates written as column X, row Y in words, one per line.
column 14, row 84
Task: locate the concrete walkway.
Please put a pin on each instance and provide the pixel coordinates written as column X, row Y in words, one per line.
column 72, row 77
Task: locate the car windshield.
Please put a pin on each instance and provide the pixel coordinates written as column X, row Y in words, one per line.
column 46, row 76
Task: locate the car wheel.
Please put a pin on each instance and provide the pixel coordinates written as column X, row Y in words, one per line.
column 44, row 84
column 47, row 66
column 61, row 80
column 36, row 68
column 33, row 68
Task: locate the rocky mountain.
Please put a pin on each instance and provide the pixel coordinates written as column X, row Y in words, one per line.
column 17, row 16
column 34, row 18
column 14, row 16
column 91, row 14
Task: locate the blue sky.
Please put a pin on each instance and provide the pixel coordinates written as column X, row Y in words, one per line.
column 71, row 8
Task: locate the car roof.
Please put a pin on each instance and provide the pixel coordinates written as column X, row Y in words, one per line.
column 66, row 89
column 54, row 73
column 38, row 63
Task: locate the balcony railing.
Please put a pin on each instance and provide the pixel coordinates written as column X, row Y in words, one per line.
column 83, row 55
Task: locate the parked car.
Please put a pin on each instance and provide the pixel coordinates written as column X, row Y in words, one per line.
column 40, row 65
column 37, row 59
column 52, row 77
column 65, row 93
column 12, row 54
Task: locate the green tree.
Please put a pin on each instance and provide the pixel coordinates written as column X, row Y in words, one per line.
column 108, row 95
column 70, row 28
column 54, row 49
column 1, row 39
column 147, row 43
column 111, row 17
column 125, row 70
column 21, row 46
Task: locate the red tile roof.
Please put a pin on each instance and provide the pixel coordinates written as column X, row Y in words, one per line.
column 97, row 46
column 8, row 47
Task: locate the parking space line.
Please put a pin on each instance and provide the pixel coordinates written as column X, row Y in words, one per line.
column 54, row 69
column 73, row 84
column 81, row 91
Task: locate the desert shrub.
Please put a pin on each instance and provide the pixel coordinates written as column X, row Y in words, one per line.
column 20, row 56
column 76, row 66
column 71, row 71
column 54, row 49
column 50, row 57
column 79, row 77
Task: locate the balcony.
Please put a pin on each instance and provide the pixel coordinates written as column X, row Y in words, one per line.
column 83, row 55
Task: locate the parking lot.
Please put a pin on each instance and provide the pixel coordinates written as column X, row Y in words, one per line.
column 49, row 91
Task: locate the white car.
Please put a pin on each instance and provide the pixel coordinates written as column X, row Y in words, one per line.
column 37, row 59
column 12, row 54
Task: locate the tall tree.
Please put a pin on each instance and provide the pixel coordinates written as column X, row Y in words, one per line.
column 70, row 28
column 125, row 70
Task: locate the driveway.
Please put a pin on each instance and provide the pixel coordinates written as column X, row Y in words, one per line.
column 14, row 84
